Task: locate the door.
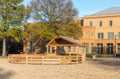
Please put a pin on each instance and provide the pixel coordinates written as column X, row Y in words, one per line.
column 109, row 48
column 99, row 48
column 60, row 50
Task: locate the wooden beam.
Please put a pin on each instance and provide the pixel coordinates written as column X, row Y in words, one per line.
column 55, row 50
column 50, row 49
column 47, row 49
column 51, row 41
column 62, row 45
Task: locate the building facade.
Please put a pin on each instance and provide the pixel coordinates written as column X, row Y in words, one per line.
column 101, row 31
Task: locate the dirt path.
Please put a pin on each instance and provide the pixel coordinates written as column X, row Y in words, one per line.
column 99, row 69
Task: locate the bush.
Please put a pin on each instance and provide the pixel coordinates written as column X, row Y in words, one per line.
column 89, row 55
column 117, row 55
column 101, row 55
column 105, row 55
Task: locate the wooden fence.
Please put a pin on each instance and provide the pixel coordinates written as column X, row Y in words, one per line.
column 44, row 59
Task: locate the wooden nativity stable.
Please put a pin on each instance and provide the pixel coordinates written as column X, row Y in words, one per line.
column 61, row 45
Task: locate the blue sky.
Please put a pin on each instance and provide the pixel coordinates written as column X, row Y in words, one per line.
column 87, row 7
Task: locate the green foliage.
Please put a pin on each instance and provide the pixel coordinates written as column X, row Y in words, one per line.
column 11, row 16
column 36, row 31
column 105, row 55
column 89, row 55
column 16, row 34
column 57, row 17
column 52, row 18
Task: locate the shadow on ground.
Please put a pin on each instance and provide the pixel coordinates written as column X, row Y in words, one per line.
column 6, row 74
column 106, row 64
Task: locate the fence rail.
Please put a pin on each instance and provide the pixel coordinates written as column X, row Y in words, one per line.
column 44, row 59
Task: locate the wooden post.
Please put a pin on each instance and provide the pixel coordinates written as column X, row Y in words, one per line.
column 70, row 53
column 55, row 50
column 77, row 59
column 31, row 59
column 60, row 60
column 50, row 49
column 78, row 52
column 84, row 55
column 26, row 59
column 42, row 60
column 47, row 49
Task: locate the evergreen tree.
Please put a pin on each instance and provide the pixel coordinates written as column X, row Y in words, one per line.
column 11, row 16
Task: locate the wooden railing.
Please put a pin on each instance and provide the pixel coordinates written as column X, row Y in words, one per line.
column 44, row 59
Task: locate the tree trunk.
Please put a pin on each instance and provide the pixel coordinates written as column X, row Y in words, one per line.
column 4, row 53
column 26, row 47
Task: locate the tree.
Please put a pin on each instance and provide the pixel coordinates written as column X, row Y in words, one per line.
column 54, row 17
column 34, row 33
column 57, row 16
column 11, row 16
column 26, row 31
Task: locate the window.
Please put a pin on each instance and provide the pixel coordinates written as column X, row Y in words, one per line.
column 83, row 50
column 91, row 23
column 75, row 49
column 87, row 47
column 100, row 35
column 118, row 34
column 69, row 48
column 81, row 22
column 92, row 48
column 85, row 34
column 100, row 23
column 109, row 48
column 60, row 50
column 110, row 35
column 110, row 23
column 49, row 49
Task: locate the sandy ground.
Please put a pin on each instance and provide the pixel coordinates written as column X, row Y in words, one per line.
column 99, row 69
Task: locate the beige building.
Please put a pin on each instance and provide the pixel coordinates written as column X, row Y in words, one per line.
column 101, row 31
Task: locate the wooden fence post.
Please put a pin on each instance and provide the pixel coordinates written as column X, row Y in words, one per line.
column 42, row 60
column 77, row 61
column 26, row 59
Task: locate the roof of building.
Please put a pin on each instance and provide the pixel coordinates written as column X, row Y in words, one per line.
column 112, row 10
column 72, row 41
